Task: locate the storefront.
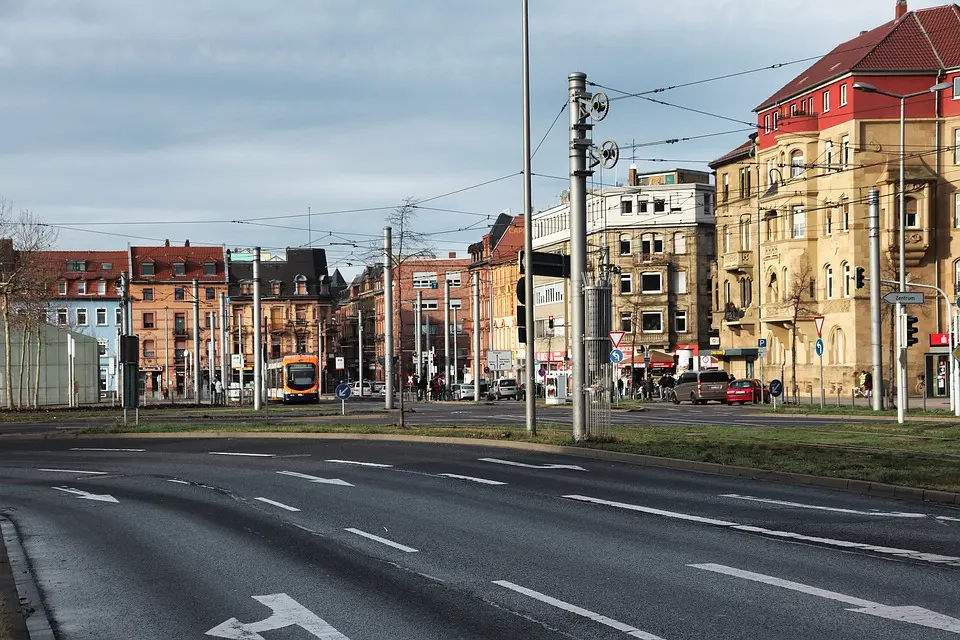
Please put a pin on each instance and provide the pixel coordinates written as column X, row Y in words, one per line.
column 937, row 366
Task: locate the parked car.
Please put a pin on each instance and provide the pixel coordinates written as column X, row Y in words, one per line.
column 368, row 388
column 503, row 388
column 747, row 390
column 463, row 392
column 699, row 387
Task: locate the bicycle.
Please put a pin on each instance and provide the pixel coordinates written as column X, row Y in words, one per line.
column 921, row 385
column 669, row 395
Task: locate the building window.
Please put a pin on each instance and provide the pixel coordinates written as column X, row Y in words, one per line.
column 766, row 123
column 179, row 269
column 275, row 288
column 62, row 286
column 642, row 206
column 680, row 243
column 726, row 187
column 651, row 322
column 727, row 297
column 826, row 101
column 106, row 266
column 209, row 268
column 246, row 288
column 846, row 279
column 626, row 206
column 81, row 317
column 430, row 305
column 82, row 287
column 745, row 235
column 828, row 278
column 424, row 279
column 626, row 284
column 101, row 317
column 149, row 348
column 149, row 320
column 626, row 322
column 101, row 287
column 211, row 293
column 913, row 220
column 846, row 215
column 76, row 266
column 178, row 293
column 956, row 88
column 793, row 109
column 62, row 317
column 838, row 347
column 146, row 269
column 743, row 182
column 148, row 294
column 102, row 346
column 776, row 120
column 956, row 146
column 813, row 289
column 843, row 95
column 659, row 206
column 658, row 243
column 796, row 164
column 726, row 239
column 118, row 320
column 300, row 285
column 828, row 222
column 845, row 152
column 625, row 244
column 680, row 321
column 828, row 156
column 679, row 282
column 453, row 277
column 956, row 277
column 798, row 222
column 646, row 244
column 651, row 283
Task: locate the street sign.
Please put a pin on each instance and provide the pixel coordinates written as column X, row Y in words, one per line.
column 486, row 369
column 818, row 320
column 340, row 362
column 762, row 351
column 776, row 388
column 616, row 356
column 343, row 391
column 236, row 360
column 956, row 353
column 500, row 360
column 761, row 343
column 820, row 348
column 616, row 337
column 543, row 373
column 704, row 361
column 903, row 297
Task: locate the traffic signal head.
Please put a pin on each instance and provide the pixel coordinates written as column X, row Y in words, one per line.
column 861, row 273
column 912, row 331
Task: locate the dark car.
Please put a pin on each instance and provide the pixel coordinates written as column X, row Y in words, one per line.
column 699, row 387
column 747, row 390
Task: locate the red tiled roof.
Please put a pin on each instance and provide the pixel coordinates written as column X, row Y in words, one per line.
column 55, row 263
column 163, row 259
column 745, row 150
column 925, row 40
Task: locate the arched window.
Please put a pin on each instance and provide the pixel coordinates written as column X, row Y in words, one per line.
column 796, row 164
column 625, row 244
column 773, row 288
column 300, row 285
column 726, row 292
column 679, row 243
column 846, row 279
column 786, row 285
column 913, row 220
column 838, row 346
column 726, row 239
column 956, row 277
column 745, row 235
column 828, row 281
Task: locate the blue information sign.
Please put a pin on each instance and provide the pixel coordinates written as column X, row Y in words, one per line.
column 776, row 388
column 343, row 391
column 761, row 343
column 616, row 356
column 820, row 347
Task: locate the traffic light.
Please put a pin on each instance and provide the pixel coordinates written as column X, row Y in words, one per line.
column 912, row 331
column 522, row 335
column 861, row 273
column 521, row 311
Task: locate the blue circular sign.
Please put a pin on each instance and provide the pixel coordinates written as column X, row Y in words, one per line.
column 776, row 388
column 820, row 347
column 616, row 356
column 343, row 391
column 542, row 372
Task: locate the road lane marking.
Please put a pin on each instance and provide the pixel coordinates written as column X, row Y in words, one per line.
column 286, row 612
column 471, row 478
column 315, row 479
column 362, row 464
column 910, row 615
column 86, row 473
column 800, row 505
column 571, row 467
column 249, row 455
column 934, row 558
column 948, row 518
column 571, row 608
column 105, row 449
column 389, row 543
column 179, row 481
column 86, row 495
column 277, row 504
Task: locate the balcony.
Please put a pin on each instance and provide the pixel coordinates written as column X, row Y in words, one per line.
column 181, row 332
column 738, row 261
column 735, row 317
column 646, row 258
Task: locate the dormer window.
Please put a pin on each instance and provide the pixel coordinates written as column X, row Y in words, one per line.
column 275, row 288
column 300, row 285
column 246, row 288
column 179, row 269
column 76, row 266
column 101, row 287
column 62, row 288
column 82, row 287
column 146, row 269
column 209, row 268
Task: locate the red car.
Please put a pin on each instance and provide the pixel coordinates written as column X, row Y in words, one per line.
column 747, row 390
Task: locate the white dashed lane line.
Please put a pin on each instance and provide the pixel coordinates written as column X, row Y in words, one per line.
column 389, row 543
column 277, row 504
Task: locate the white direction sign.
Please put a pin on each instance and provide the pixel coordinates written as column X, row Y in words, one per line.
column 616, row 337
column 340, row 362
column 86, row 495
column 236, row 360
column 287, row 612
column 904, row 297
column 818, row 320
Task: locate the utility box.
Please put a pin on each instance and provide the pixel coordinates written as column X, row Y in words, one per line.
column 129, row 349
column 131, row 385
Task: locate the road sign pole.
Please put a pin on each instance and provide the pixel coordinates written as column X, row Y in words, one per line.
column 900, row 365
column 821, row 381
column 388, row 316
column 579, row 143
column 876, row 317
column 257, row 334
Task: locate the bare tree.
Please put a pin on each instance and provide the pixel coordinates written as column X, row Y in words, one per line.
column 22, row 269
column 799, row 299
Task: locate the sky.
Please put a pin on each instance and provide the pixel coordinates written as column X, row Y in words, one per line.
column 225, row 121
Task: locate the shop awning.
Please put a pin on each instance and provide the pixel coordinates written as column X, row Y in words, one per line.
column 658, row 360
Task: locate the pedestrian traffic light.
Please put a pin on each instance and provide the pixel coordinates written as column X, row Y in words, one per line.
column 912, row 331
column 522, row 335
column 861, row 273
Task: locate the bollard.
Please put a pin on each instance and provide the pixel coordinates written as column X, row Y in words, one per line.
column 853, row 398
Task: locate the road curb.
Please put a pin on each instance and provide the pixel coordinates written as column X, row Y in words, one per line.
column 38, row 624
column 878, row 489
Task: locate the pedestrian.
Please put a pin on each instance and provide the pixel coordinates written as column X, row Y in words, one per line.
column 619, row 387
column 218, row 392
column 867, row 385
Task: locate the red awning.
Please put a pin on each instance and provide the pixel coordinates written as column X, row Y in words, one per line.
column 658, row 360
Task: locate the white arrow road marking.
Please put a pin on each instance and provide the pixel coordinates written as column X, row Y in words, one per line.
column 566, row 606
column 277, row 504
column 571, row 467
column 800, row 505
column 829, row 542
column 249, row 455
column 389, row 543
column 471, row 478
column 86, row 473
column 287, row 612
column 315, row 479
column 85, row 495
column 911, row 615
column 362, row 464
column 101, row 449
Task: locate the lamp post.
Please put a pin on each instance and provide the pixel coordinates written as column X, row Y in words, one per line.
column 869, row 88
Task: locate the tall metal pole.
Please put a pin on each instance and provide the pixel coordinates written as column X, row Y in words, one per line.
column 388, row 314
column 257, row 334
column 530, row 382
column 223, row 341
column 240, row 350
column 456, row 342
column 212, row 352
column 579, row 142
column 902, row 355
column 476, row 336
column 956, row 363
column 876, row 320
column 446, row 334
column 125, row 325
column 196, row 341
column 418, row 339
column 360, row 349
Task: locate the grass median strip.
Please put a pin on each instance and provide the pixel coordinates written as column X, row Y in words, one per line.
column 920, row 454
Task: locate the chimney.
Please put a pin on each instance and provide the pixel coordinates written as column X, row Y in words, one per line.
column 186, row 243
column 632, row 176
column 166, row 243
column 451, row 255
column 901, row 8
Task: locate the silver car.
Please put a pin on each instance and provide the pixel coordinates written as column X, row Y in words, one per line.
column 699, row 387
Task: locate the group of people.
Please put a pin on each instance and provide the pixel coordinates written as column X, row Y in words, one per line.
column 435, row 387
column 865, row 383
column 645, row 387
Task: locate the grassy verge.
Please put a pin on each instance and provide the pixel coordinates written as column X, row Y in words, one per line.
column 180, row 412
column 915, row 454
column 806, row 409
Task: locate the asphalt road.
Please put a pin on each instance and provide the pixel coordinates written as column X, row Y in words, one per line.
column 177, row 539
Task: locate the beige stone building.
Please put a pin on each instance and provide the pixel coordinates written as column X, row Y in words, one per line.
column 792, row 208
